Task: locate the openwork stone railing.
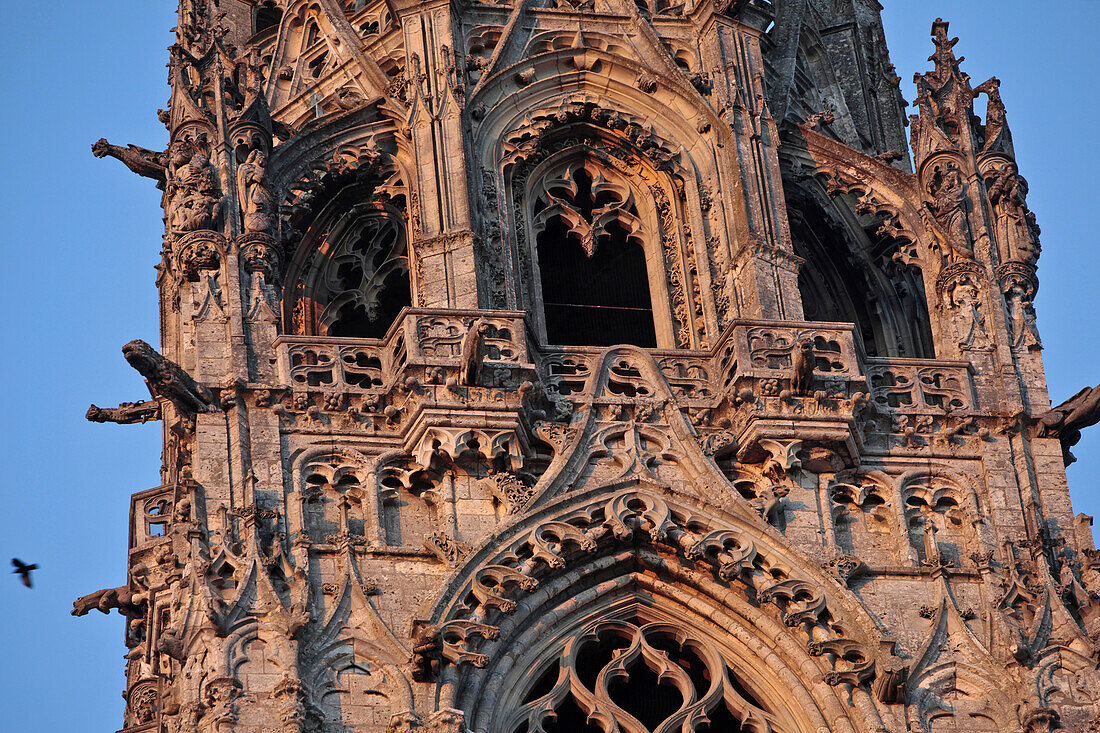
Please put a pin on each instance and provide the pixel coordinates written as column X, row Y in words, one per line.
column 432, row 337
column 690, row 374
column 150, row 515
column 349, row 363
column 749, row 351
column 920, row 385
column 767, row 350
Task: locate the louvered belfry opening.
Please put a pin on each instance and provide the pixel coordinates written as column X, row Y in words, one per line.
column 595, row 285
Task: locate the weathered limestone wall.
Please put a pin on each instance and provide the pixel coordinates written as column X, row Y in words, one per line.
column 832, row 498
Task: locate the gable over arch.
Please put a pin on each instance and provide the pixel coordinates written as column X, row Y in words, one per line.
column 647, row 555
column 578, row 92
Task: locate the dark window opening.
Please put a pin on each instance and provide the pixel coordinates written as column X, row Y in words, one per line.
column 313, row 35
column 595, row 287
column 848, row 281
column 372, row 319
column 317, row 65
column 645, row 696
column 361, row 284
column 545, row 683
column 569, row 718
column 267, row 16
column 657, row 688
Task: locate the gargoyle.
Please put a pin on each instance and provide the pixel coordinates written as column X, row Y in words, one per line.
column 146, row 163
column 471, row 352
column 426, row 654
column 127, row 602
column 1067, row 420
column 802, row 368
column 167, row 380
column 126, row 413
column 544, row 404
column 818, row 119
column 890, row 156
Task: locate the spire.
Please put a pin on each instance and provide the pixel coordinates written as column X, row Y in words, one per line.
column 945, row 102
column 947, row 65
column 951, row 143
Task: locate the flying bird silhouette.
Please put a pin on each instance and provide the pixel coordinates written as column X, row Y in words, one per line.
column 23, row 570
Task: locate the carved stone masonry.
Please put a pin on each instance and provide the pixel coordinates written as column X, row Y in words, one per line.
column 780, row 506
column 962, row 293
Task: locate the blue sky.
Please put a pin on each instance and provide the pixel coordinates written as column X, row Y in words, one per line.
column 76, row 282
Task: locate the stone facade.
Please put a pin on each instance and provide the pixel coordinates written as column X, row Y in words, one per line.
column 405, row 486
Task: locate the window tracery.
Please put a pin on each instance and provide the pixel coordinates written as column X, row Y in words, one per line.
column 592, row 261
column 333, row 501
column 358, row 279
column 863, row 521
column 583, row 132
column 636, row 677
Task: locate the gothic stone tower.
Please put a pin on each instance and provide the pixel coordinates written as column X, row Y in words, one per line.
column 541, row 365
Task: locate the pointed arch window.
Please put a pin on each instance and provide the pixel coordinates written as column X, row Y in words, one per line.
column 358, row 279
column 849, row 276
column 592, row 263
column 267, row 15
column 634, row 676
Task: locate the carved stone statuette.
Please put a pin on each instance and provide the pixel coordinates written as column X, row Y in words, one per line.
column 256, row 201
column 802, row 368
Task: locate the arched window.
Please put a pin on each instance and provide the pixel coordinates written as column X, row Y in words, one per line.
column 332, row 501
column 850, row 277
column 267, row 15
column 368, row 280
column 358, row 279
column 645, row 676
column 591, row 260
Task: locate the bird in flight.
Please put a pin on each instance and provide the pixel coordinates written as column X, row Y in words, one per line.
column 23, row 570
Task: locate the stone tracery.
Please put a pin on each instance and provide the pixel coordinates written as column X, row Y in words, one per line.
column 582, row 296
column 627, row 658
column 469, row 518
column 358, row 278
